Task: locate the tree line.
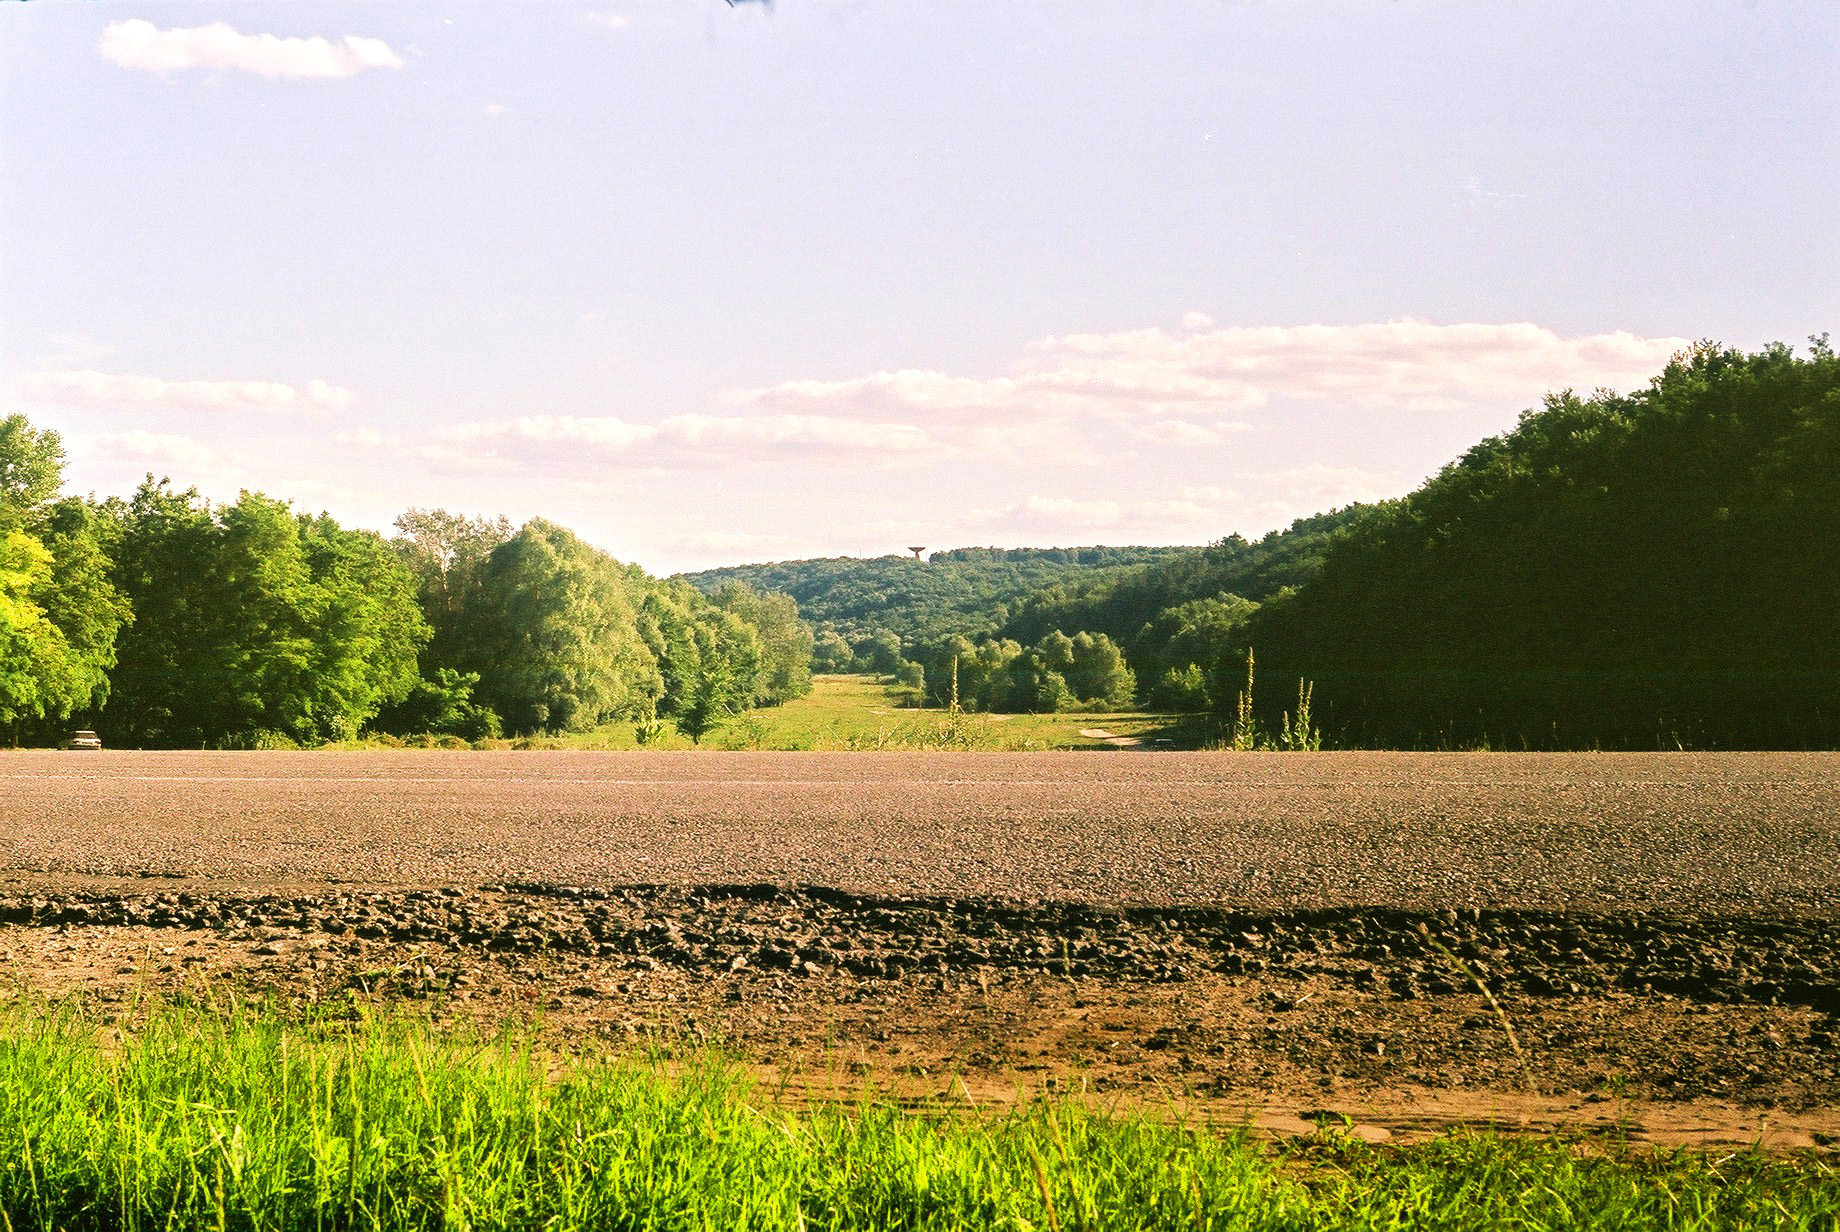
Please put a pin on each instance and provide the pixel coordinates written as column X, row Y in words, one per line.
column 1657, row 569
column 167, row 621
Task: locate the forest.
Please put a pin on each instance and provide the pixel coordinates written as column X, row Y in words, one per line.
column 167, row 622
column 1658, row 569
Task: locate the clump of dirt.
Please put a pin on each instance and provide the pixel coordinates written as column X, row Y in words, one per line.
column 1676, row 1026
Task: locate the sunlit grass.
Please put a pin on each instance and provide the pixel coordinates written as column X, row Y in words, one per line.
column 198, row 1120
column 867, row 712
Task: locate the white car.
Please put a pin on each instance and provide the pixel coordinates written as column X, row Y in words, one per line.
column 83, row 740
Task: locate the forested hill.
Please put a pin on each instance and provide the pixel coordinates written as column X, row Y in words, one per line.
column 1618, row 571
column 961, row 591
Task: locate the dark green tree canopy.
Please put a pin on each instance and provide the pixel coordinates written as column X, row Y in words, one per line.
column 255, row 621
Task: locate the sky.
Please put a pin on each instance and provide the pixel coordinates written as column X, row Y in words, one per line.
column 714, row 284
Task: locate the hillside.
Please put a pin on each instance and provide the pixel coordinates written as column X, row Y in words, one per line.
column 1639, row 571
column 964, row 590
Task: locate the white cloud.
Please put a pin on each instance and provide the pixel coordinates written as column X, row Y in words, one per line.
column 1181, row 432
column 111, row 391
column 1193, row 321
column 611, row 21
column 366, row 438
column 140, row 44
column 141, row 446
column 1075, row 516
column 1155, row 374
column 681, row 441
column 1319, row 488
column 494, row 110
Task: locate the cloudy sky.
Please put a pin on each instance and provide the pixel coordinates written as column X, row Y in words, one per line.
column 715, row 284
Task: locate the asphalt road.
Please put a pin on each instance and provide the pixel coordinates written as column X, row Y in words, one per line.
column 1719, row 833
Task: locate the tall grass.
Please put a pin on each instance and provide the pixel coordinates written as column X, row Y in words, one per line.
column 248, row 1122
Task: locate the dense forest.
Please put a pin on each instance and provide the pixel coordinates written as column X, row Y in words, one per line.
column 1656, row 569
column 1639, row 571
column 869, row 613
column 166, row 621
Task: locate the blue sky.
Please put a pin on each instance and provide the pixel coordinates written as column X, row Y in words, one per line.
column 714, row 284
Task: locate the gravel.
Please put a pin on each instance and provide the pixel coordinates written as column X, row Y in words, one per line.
column 1686, row 834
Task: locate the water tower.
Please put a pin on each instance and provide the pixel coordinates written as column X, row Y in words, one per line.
column 916, row 551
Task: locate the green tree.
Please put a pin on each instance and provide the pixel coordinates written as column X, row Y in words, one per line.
column 31, row 470
column 253, row 619
column 728, row 660
column 59, row 613
column 1098, row 674
column 831, row 653
column 441, row 706
column 554, row 634
column 446, row 553
column 785, row 640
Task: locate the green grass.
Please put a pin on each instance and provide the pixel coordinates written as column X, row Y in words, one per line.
column 195, row 1120
column 864, row 712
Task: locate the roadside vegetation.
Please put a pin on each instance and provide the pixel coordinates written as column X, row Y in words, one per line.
column 1653, row 570
column 198, row 1119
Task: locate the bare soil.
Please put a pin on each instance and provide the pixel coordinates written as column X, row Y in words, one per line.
column 1642, row 945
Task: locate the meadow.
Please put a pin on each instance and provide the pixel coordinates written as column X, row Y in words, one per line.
column 861, row 712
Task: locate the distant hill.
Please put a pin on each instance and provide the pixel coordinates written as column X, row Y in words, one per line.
column 964, row 590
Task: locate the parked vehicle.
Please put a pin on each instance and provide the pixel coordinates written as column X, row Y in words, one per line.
column 83, row 740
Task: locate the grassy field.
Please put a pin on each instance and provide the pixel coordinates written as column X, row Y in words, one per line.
column 201, row 1120
column 864, row 712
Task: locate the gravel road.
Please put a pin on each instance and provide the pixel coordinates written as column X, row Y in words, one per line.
column 1687, row 833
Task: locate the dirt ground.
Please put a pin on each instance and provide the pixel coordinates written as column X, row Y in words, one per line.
column 1644, row 944
column 1399, row 1023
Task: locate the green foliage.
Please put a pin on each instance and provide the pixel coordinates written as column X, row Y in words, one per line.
column 785, row 641
column 31, row 470
column 552, row 632
column 193, row 1121
column 251, row 618
column 1129, row 605
column 562, row 637
column 728, row 657
column 831, row 653
column 31, row 651
column 1618, row 571
column 447, row 553
column 962, row 591
column 59, row 613
column 1184, row 691
column 442, row 706
column 1058, row 673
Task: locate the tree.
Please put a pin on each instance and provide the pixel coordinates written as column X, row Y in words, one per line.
column 1098, row 674
column 442, row 706
column 254, row 620
column 785, row 641
column 59, row 614
column 446, row 553
column 554, row 635
column 728, row 658
column 33, row 656
column 880, row 652
column 831, row 653
column 31, row 470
